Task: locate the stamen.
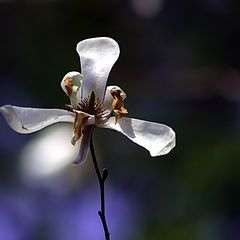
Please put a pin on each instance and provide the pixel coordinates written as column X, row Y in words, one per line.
column 118, row 106
column 69, row 107
column 92, row 105
column 87, row 112
column 68, row 85
column 91, row 101
column 71, row 84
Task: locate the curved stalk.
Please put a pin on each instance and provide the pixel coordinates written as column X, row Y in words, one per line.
column 101, row 179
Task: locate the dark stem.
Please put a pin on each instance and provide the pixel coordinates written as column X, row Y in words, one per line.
column 101, row 180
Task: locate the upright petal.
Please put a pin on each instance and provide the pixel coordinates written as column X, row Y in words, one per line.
column 28, row 120
column 97, row 56
column 157, row 138
column 84, row 145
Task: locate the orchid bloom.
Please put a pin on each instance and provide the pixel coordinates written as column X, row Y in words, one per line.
column 93, row 104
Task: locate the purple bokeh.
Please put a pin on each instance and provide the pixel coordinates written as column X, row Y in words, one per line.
column 78, row 217
column 18, row 216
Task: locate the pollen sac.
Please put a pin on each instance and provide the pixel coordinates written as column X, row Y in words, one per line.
column 81, row 119
column 71, row 84
column 117, row 104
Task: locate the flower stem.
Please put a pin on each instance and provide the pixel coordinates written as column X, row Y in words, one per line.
column 101, row 179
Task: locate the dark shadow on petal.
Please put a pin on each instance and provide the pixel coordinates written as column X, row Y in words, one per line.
column 126, row 126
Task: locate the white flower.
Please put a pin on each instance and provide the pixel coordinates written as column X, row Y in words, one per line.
column 93, row 104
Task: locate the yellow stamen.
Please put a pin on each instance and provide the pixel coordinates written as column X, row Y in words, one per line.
column 118, row 106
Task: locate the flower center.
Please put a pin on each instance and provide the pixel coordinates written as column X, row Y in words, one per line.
column 87, row 112
column 93, row 106
column 91, row 110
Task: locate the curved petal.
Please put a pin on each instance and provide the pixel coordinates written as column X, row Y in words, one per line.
column 84, row 145
column 28, row 120
column 157, row 138
column 109, row 97
column 97, row 56
column 71, row 85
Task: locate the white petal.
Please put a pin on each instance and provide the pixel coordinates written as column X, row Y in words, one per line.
column 157, row 138
column 84, row 145
column 97, row 56
column 28, row 120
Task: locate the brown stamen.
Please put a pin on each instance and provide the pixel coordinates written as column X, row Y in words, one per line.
column 68, row 85
column 118, row 106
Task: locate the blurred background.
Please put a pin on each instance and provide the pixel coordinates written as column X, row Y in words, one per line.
column 179, row 65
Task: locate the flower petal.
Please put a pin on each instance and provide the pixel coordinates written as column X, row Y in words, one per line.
column 84, row 145
column 81, row 119
column 110, row 92
column 157, row 138
column 28, row 120
column 97, row 56
column 71, row 85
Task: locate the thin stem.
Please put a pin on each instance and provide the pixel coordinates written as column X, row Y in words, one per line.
column 101, row 180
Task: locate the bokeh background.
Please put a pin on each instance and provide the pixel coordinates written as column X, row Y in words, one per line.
column 179, row 65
